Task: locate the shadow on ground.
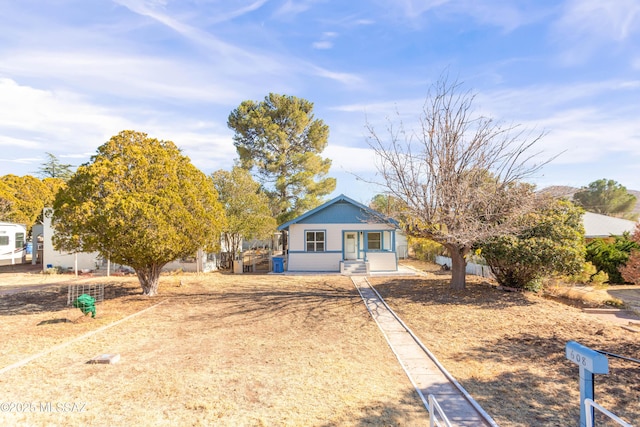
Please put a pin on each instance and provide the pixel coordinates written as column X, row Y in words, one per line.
column 427, row 291
column 53, row 298
column 533, row 396
column 391, row 413
column 242, row 306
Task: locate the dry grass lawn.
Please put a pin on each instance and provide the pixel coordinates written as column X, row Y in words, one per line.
column 266, row 350
column 508, row 349
column 250, row 350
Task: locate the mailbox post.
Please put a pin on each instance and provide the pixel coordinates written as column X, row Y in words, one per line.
column 590, row 362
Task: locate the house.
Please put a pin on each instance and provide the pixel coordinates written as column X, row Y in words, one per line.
column 12, row 243
column 83, row 261
column 603, row 226
column 51, row 257
column 343, row 236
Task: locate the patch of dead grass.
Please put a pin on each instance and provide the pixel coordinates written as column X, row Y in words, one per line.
column 508, row 349
column 223, row 350
column 266, row 350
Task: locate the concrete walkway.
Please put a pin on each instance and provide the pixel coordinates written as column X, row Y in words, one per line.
column 426, row 374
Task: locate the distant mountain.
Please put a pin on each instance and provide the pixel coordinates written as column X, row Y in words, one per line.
column 564, row 191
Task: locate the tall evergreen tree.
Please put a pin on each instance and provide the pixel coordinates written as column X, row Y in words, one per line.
column 280, row 141
column 52, row 168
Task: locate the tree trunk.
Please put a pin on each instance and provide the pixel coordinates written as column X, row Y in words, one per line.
column 149, row 278
column 458, row 266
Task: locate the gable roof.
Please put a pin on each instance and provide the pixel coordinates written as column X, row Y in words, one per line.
column 341, row 209
column 597, row 225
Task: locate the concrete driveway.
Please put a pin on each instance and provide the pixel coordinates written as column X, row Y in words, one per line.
column 629, row 294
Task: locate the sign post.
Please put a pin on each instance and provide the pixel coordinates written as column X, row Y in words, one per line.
column 590, row 362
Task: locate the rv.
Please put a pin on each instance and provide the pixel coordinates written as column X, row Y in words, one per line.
column 12, row 243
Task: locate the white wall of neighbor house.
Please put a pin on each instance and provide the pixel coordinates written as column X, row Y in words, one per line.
column 65, row 260
column 402, row 245
column 91, row 260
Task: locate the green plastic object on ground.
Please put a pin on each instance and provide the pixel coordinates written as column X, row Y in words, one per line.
column 86, row 304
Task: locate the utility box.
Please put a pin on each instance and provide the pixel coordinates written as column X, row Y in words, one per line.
column 278, row 264
column 237, row 266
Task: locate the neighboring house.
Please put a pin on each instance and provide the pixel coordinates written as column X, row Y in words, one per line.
column 80, row 261
column 12, row 243
column 603, row 226
column 343, row 236
column 66, row 260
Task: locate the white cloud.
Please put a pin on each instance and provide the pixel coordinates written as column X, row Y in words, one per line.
column 122, row 75
column 71, row 126
column 291, row 8
column 346, row 79
column 351, row 159
column 322, row 45
column 251, row 7
column 588, row 25
column 505, row 14
column 42, row 113
column 415, row 8
column 326, row 41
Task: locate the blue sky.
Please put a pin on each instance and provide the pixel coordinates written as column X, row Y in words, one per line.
column 75, row 72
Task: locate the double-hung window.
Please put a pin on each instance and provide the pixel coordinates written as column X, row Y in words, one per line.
column 374, row 241
column 315, row 241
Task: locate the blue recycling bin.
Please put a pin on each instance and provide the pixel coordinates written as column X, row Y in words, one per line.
column 278, row 264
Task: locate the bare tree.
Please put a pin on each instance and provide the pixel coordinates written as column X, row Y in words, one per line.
column 460, row 176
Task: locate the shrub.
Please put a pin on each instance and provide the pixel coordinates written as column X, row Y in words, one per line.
column 551, row 242
column 631, row 270
column 425, row 249
column 585, row 275
column 611, row 256
column 599, row 278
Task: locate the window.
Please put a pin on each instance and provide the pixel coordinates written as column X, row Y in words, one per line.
column 374, row 241
column 19, row 240
column 4, row 240
column 315, row 241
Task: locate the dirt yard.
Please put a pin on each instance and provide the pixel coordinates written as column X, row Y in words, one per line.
column 508, row 349
column 250, row 350
column 267, row 350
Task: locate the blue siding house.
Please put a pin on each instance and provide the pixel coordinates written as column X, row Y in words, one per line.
column 343, row 236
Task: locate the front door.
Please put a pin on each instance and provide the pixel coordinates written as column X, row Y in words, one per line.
column 350, row 246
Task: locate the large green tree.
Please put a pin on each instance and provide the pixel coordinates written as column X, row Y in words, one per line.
column 246, row 207
column 607, row 197
column 280, row 141
column 551, row 242
column 460, row 176
column 139, row 202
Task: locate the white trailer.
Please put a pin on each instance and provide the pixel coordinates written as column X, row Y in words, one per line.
column 12, row 242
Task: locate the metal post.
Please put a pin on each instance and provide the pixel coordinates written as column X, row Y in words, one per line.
column 590, row 362
column 586, row 392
